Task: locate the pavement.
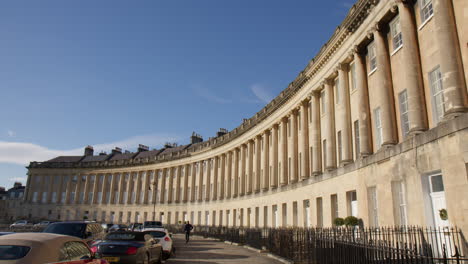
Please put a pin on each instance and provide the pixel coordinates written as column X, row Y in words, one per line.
column 209, row 251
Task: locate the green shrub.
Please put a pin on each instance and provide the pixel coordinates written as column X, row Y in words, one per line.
column 338, row 221
column 351, row 221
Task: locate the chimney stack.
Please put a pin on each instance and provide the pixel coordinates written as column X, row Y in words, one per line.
column 88, row 151
column 221, row 132
column 117, row 150
column 142, row 148
column 195, row 138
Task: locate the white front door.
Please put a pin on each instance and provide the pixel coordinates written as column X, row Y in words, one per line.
column 437, row 194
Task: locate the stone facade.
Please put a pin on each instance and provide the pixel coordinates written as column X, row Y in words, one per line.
column 375, row 127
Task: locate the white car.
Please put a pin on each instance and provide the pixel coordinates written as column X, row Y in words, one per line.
column 164, row 239
column 19, row 223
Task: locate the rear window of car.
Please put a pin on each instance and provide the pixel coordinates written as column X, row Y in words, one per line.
column 10, row 252
column 153, row 224
column 157, row 234
column 126, row 236
column 69, row 229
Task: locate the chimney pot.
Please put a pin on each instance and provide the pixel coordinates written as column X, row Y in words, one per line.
column 88, row 151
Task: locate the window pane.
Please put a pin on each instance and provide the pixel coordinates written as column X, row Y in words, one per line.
column 437, row 183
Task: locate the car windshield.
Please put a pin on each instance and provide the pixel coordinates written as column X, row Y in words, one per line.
column 152, row 224
column 10, row 252
column 157, row 234
column 70, row 229
column 132, row 236
column 20, row 222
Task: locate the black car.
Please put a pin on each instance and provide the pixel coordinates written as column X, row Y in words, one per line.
column 117, row 227
column 129, row 247
column 135, row 227
column 88, row 231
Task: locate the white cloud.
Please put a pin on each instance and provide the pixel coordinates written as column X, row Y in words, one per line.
column 18, row 179
column 22, row 153
column 261, row 93
column 11, row 133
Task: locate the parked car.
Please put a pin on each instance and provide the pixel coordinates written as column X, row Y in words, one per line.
column 118, row 227
column 135, row 227
column 20, row 223
column 27, row 248
column 43, row 224
column 129, row 247
column 165, row 239
column 89, row 232
column 106, row 226
column 152, row 225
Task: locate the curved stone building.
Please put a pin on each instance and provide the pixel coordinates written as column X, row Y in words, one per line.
column 375, row 126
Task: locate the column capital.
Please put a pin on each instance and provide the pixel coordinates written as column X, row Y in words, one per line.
column 342, row 66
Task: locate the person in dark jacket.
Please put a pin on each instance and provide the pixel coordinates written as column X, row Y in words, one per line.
column 187, row 228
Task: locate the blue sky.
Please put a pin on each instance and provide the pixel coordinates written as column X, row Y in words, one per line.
column 118, row 73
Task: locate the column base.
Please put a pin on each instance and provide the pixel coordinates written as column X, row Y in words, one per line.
column 345, row 162
column 316, row 173
column 454, row 113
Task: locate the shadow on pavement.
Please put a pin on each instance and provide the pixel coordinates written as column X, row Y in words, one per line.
column 211, row 256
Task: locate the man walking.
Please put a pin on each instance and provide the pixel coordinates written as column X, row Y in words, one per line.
column 187, row 228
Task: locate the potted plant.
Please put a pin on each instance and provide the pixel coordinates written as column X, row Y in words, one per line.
column 338, row 221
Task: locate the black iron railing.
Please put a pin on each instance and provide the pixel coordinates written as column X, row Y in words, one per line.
column 349, row 245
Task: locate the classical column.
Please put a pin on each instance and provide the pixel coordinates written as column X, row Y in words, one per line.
column 50, row 188
column 86, row 189
column 201, row 169
column 412, row 78
column 178, row 173
column 78, row 188
column 283, row 150
column 40, row 187
column 129, row 188
column 265, row 164
column 249, row 166
column 274, row 157
column 69, row 189
column 59, row 190
column 451, row 67
column 208, row 165
column 345, row 115
column 186, row 182
column 146, row 186
column 222, row 176
column 385, row 88
column 304, row 140
column 27, row 190
column 242, row 171
column 194, row 175
column 235, row 172
column 170, row 194
column 315, row 134
column 119, row 188
column 330, row 162
column 292, row 146
column 112, row 188
column 365, row 134
column 229, row 174
column 214, row 195
column 257, row 163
